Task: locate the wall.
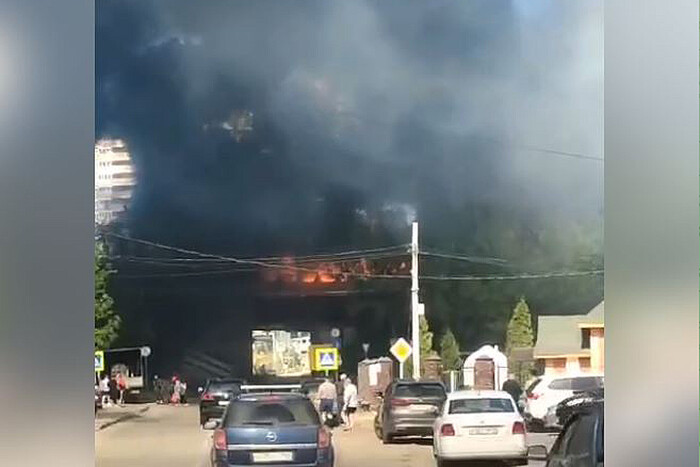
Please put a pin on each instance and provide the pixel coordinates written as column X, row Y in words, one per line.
column 598, row 350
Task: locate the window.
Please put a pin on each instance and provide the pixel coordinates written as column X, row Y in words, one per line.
column 419, row 390
column 470, row 406
column 580, row 444
column 585, row 338
column 532, row 386
column 563, row 384
column 586, row 383
column 584, row 363
column 262, row 412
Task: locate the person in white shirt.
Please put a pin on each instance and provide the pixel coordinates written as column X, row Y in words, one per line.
column 350, row 398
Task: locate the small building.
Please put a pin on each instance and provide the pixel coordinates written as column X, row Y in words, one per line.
column 571, row 344
column 487, row 368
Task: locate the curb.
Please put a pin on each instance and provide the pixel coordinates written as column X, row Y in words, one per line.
column 124, row 417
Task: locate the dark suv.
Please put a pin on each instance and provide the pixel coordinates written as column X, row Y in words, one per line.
column 409, row 408
column 581, row 441
column 215, row 396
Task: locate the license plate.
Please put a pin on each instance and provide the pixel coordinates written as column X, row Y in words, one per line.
column 483, row 431
column 223, row 402
column 421, row 408
column 273, row 456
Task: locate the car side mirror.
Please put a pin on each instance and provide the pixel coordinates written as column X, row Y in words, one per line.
column 537, row 452
column 212, row 425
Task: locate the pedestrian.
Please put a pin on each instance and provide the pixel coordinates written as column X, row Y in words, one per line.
column 157, row 390
column 512, row 387
column 350, row 397
column 104, row 390
column 121, row 386
column 183, row 392
column 327, row 396
column 175, row 398
column 339, row 389
column 113, row 390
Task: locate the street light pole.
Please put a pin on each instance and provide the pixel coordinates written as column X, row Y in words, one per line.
column 415, row 316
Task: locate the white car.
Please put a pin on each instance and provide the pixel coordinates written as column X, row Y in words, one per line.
column 548, row 391
column 480, row 425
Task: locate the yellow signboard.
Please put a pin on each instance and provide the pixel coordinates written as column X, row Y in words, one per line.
column 401, row 350
column 99, row 361
column 325, row 359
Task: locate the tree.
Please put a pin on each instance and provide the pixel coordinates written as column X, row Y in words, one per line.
column 426, row 346
column 107, row 321
column 449, row 351
column 520, row 335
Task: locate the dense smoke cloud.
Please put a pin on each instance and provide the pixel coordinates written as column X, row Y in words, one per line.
column 259, row 125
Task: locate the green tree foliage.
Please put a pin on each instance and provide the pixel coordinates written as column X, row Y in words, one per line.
column 107, row 321
column 520, row 335
column 426, row 347
column 449, row 352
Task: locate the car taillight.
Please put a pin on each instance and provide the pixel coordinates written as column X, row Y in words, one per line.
column 220, row 439
column 518, row 428
column 400, row 402
column 207, row 397
column 447, row 430
column 324, row 438
column 533, row 396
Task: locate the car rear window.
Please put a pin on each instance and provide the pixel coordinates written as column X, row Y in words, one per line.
column 586, row 383
column 271, row 412
column 532, row 386
column 562, row 384
column 419, row 390
column 485, row 405
column 224, row 386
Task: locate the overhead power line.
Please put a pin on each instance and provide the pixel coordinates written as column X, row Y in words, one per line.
column 523, row 276
column 471, row 259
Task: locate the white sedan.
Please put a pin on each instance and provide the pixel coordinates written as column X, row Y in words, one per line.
column 479, row 425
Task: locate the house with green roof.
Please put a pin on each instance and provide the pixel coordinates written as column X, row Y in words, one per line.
column 571, row 344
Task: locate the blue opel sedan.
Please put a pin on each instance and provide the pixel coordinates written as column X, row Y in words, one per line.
column 273, row 429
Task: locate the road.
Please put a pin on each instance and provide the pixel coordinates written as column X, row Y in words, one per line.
column 166, row 435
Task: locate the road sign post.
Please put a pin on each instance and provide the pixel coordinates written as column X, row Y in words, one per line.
column 401, row 350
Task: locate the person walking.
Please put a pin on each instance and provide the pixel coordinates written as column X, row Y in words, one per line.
column 183, row 392
column 512, row 387
column 340, row 391
column 121, row 386
column 350, row 398
column 113, row 390
column 175, row 398
column 104, row 390
column 327, row 396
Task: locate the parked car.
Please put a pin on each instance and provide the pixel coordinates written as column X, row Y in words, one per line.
column 409, row 408
column 215, row 396
column 548, row 391
column 281, row 429
column 581, row 441
column 480, row 426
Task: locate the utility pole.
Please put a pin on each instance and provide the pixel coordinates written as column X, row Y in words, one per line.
column 415, row 316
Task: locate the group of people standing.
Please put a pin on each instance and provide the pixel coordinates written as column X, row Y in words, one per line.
column 341, row 396
column 113, row 389
column 173, row 391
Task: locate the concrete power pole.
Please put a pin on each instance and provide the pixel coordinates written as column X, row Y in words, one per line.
column 415, row 313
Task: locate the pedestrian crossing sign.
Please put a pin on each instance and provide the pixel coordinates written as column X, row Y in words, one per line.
column 99, row 361
column 326, row 359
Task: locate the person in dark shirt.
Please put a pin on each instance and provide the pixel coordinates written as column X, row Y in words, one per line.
column 512, row 387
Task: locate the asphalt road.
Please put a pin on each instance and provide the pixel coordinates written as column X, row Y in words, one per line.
column 171, row 436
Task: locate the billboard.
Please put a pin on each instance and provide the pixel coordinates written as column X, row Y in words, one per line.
column 281, row 353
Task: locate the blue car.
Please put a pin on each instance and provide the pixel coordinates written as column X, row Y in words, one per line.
column 274, row 429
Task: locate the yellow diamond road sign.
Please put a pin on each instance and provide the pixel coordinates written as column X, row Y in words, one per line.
column 401, row 350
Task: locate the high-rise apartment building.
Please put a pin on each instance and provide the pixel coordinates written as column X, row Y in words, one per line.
column 115, row 180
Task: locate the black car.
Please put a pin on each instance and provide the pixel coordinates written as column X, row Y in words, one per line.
column 409, row 408
column 215, row 396
column 280, row 429
column 581, row 441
